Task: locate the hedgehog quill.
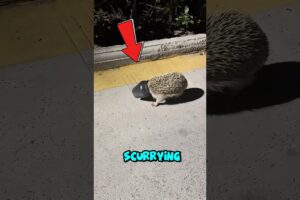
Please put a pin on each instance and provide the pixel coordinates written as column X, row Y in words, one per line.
column 161, row 88
column 236, row 49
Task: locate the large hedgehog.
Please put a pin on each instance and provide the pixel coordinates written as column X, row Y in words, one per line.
column 236, row 49
column 162, row 87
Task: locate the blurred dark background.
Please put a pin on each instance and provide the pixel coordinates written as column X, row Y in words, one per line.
column 253, row 140
column 154, row 19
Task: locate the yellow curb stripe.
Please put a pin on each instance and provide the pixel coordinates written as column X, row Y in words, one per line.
column 130, row 74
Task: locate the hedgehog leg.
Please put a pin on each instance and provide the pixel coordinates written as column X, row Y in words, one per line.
column 159, row 100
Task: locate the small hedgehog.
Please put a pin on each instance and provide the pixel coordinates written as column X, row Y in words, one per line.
column 161, row 88
column 236, row 49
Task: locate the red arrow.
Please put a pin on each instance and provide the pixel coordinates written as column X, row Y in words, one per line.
column 133, row 49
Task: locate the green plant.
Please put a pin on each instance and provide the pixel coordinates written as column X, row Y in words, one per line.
column 154, row 19
column 185, row 19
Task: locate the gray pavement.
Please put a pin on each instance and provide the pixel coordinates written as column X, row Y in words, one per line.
column 125, row 123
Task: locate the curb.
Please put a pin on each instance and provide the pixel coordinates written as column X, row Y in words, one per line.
column 110, row 57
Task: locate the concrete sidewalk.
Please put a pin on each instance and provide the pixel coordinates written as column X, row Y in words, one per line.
column 125, row 123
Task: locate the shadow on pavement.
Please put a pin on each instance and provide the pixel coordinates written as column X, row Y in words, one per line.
column 275, row 84
column 188, row 95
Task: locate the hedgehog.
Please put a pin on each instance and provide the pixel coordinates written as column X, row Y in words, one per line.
column 236, row 49
column 162, row 87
